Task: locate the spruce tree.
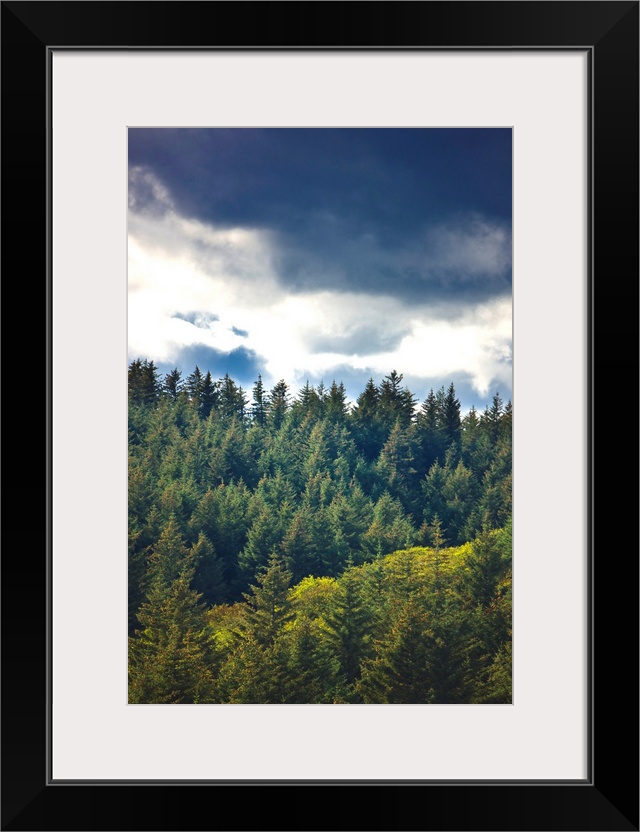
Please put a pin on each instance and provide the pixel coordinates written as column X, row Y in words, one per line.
column 173, row 384
column 347, row 622
column 232, row 400
column 279, row 403
column 368, row 427
column 401, row 672
column 143, row 382
column 336, row 407
column 390, row 530
column 168, row 656
column 431, row 442
column 396, row 403
column 259, row 406
column 194, row 386
column 451, row 416
column 208, row 396
column 269, row 608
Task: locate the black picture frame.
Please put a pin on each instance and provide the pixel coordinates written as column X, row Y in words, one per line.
column 608, row 799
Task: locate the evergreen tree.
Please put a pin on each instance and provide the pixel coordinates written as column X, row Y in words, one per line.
column 168, row 656
column 337, row 408
column 312, row 669
column 173, row 384
column 307, row 404
column 300, row 546
column 491, row 418
column 401, row 673
column 395, row 466
column 396, row 403
column 143, row 382
column 265, row 536
column 485, row 567
column 208, row 396
column 178, row 501
column 232, row 400
column 347, row 621
column 349, row 515
column 279, row 403
column 431, row 442
column 224, row 515
column 194, row 386
column 197, row 455
column 269, row 608
column 390, row 529
column 232, row 457
column 208, row 579
column 259, row 406
column 368, row 427
column 451, row 422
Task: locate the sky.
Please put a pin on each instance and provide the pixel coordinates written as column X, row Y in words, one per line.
column 322, row 254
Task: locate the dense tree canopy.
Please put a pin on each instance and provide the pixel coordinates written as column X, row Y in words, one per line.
column 296, row 549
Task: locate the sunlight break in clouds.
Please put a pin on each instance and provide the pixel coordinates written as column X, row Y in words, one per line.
column 191, row 283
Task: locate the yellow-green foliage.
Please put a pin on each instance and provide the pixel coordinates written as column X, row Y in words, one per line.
column 224, row 624
column 310, row 599
column 312, row 594
column 422, row 624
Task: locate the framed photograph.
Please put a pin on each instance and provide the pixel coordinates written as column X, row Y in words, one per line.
column 530, row 107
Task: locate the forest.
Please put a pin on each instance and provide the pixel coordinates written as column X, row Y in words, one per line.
column 304, row 550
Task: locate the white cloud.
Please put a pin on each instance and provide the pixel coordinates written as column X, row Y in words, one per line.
column 142, row 182
column 182, row 267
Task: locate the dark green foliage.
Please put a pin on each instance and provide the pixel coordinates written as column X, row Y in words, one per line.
column 208, row 579
column 271, row 545
column 430, row 435
column 347, row 620
column 451, row 417
column 401, row 672
column 390, row 528
column 144, row 384
column 336, row 403
column 368, row 426
column 279, row 403
column 396, row 402
column 396, row 466
column 313, row 669
column 224, row 515
column 207, row 396
column 259, row 406
column 273, row 504
column 194, row 385
column 268, row 603
column 232, row 401
column 173, row 385
column 302, row 545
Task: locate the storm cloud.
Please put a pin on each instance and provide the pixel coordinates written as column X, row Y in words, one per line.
column 309, row 254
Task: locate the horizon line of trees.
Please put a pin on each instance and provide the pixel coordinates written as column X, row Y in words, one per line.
column 226, row 397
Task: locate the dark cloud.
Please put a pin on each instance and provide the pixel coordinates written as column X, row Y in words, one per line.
column 241, row 332
column 242, row 364
column 459, row 263
column 364, row 340
column 347, row 209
